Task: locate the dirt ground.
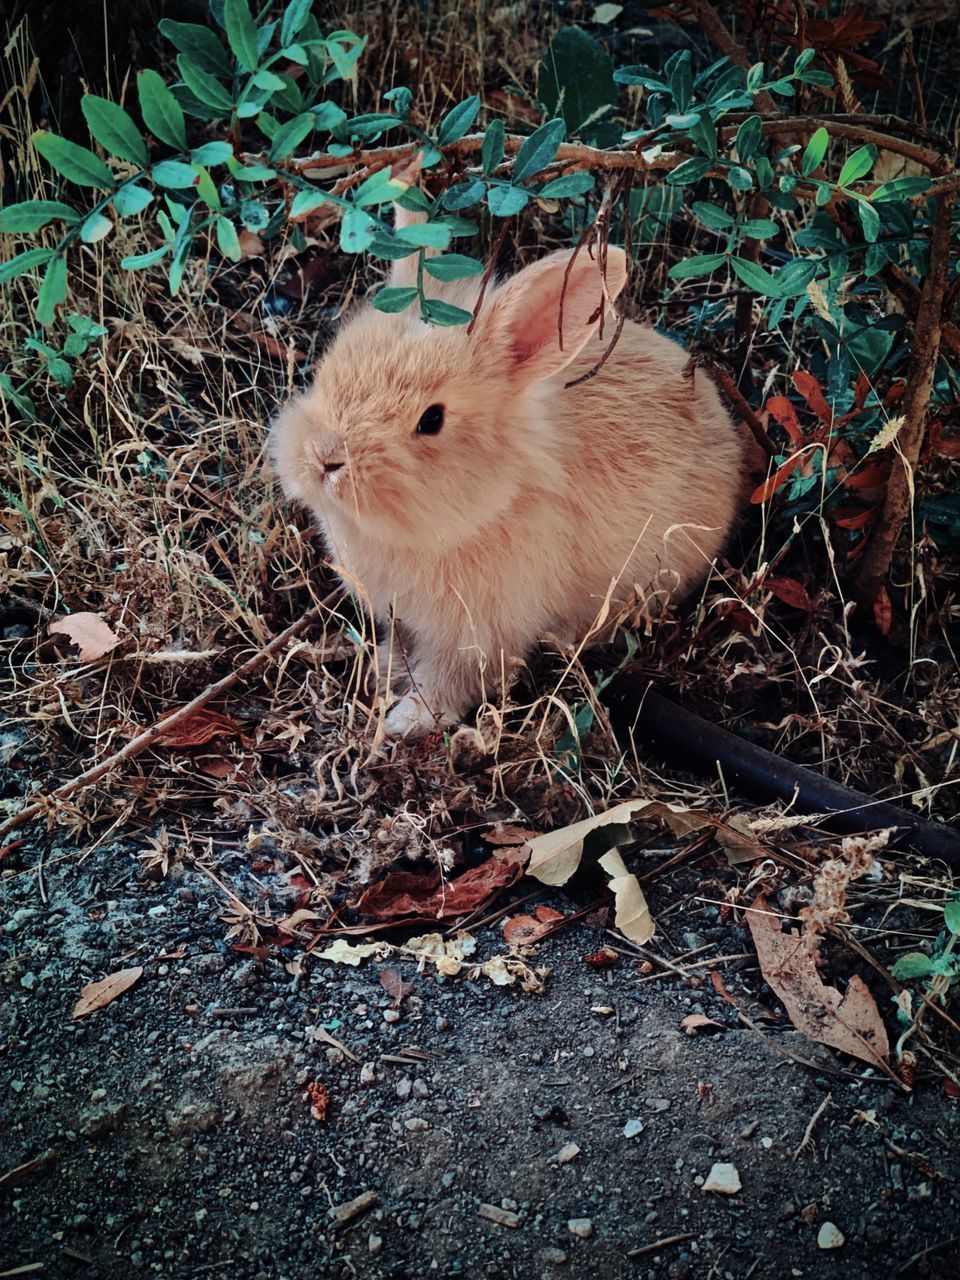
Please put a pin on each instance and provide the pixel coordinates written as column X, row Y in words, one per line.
column 176, row 1136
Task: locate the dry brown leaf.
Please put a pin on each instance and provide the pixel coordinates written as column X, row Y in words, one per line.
column 95, row 995
column 522, row 931
column 505, row 833
column 850, row 1022
column 695, row 1022
column 88, row 631
column 428, row 897
column 199, row 728
column 251, row 246
column 291, row 923
column 631, row 913
column 394, row 985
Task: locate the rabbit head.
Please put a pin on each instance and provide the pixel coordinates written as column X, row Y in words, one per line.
column 421, row 434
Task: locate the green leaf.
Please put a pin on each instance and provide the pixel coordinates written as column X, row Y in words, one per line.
column 294, row 17
column 268, row 80
column 242, row 33
column 25, row 261
column 174, row 174
column 204, row 86
column 198, row 43
column 491, row 152
column 305, row 202
column 901, row 189
column 227, row 239
column 356, row 230
column 951, row 915
column 33, row 215
column 425, row 235
column 505, row 201
column 576, row 78
column 690, row 171
column 53, row 290
column 754, row 277
column 290, row 134
column 712, row 216
column 253, row 172
column 393, row 299
column 452, row 266
column 704, row 135
column 212, row 153
column 463, row 194
column 129, row 200
column 803, row 60
column 114, row 129
column 254, row 215
column 140, row 260
column 568, row 184
column 749, row 138
column 738, row 178
column 815, row 151
column 915, row 964
column 21, row 402
column 823, row 79
column 344, row 59
column 443, row 313
column 857, row 166
column 537, row 152
column 75, row 163
column 701, row 265
column 457, row 122
column 759, row 228
column 95, row 228
column 869, row 221
column 162, row 113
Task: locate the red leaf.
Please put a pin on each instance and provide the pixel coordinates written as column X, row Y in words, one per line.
column 523, row 930
column 883, row 611
column 811, row 391
column 784, row 412
column 404, row 893
column 199, row 728
column 859, row 520
column 772, row 483
column 602, row 959
column 873, row 477
column 790, row 592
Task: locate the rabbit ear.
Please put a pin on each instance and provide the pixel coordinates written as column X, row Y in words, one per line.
column 523, row 319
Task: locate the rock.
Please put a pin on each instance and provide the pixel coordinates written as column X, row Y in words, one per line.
column 404, row 1087
column 416, row 1124
column 351, row 1209
column 657, row 1104
column 582, row 1228
column 830, row 1236
column 553, row 1257
column 633, row 1128
column 101, row 1120
column 723, row 1179
column 374, row 1243
column 192, row 1119
column 391, row 1015
column 368, row 1074
column 566, row 1154
column 502, row 1217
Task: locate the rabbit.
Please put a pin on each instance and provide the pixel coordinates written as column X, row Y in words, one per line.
column 478, row 501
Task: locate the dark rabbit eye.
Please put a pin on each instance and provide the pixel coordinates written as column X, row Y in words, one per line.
column 431, row 420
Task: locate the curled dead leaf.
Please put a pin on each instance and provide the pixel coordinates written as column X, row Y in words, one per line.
column 199, row 728
column 523, row 930
column 694, row 1023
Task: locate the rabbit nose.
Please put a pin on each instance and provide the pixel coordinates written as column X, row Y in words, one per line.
column 329, row 453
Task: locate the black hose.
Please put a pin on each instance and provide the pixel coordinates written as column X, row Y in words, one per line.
column 640, row 714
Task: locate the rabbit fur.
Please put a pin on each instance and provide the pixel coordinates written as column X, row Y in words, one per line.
column 535, row 504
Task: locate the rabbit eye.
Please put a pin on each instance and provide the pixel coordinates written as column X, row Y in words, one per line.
column 431, row 420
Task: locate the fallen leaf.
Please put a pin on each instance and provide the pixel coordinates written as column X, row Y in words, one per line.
column 324, row 1036
column 428, row 897
column 790, row 592
column 631, row 913
column 199, row 728
column 812, row 392
column 342, row 952
column 291, row 923
column 522, row 931
column 88, row 631
column 604, row 958
column 95, row 995
column 850, row 1022
column 695, row 1022
column 394, row 985
column 504, row 971
column 447, row 954
column 503, row 833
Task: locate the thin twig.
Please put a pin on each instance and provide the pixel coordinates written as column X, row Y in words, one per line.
column 46, row 804
column 716, row 31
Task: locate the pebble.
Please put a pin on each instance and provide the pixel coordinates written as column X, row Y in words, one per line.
column 344, row 1213
column 502, row 1217
column 404, row 1087
column 567, row 1153
column 633, row 1128
column 657, row 1104
column 391, row 1015
column 724, row 1179
column 553, row 1257
column 830, row 1236
column 582, row 1228
column 374, row 1243
column 368, row 1073
column 416, row 1124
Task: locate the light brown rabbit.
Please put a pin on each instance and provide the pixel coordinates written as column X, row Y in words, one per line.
column 478, row 501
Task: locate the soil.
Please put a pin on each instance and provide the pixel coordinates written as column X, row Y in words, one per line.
column 181, row 1141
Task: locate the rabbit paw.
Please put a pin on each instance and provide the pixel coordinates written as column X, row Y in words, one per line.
column 409, row 718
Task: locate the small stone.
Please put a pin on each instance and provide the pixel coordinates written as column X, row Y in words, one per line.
column 416, row 1124
column 582, row 1228
column 98, row 1095
column 566, row 1154
column 368, row 1073
column 421, row 1089
column 391, row 1015
column 443, row 1024
column 633, row 1128
column 766, row 1143
column 723, row 1179
column 374, row 1244
column 344, row 1213
column 830, row 1236
column 502, row 1217
column 657, row 1104
column 404, row 1087
column 553, row 1257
